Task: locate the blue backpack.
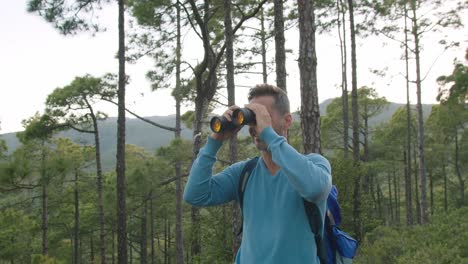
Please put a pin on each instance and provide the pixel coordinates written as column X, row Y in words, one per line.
column 335, row 246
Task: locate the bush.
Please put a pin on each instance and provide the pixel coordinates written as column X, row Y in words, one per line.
column 444, row 240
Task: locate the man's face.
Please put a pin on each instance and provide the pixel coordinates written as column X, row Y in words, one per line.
column 279, row 122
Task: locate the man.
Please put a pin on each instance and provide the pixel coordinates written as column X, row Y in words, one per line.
column 275, row 226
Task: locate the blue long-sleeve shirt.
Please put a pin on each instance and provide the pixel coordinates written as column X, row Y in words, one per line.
column 275, row 226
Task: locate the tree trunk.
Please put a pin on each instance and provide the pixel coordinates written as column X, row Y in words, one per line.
column 166, row 254
column 390, row 202
column 395, row 190
column 144, row 233
column 344, row 79
column 152, row 228
column 461, row 181
column 444, row 172
column 263, row 40
column 416, row 189
column 120, row 166
column 76, row 253
column 379, row 201
column 310, row 112
column 409, row 207
column 408, row 199
column 45, row 207
column 102, row 234
column 169, row 239
column 431, row 186
column 422, row 167
column 229, row 40
column 355, row 113
column 280, row 53
column 92, row 248
column 178, row 166
column 113, row 244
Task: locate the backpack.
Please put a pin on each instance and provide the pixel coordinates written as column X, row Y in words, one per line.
column 335, row 246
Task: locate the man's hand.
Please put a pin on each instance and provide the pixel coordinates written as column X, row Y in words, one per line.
column 262, row 115
column 230, row 133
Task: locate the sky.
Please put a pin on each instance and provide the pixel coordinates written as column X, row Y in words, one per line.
column 35, row 59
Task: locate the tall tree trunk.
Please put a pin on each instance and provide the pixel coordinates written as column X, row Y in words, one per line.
column 379, row 200
column 102, row 234
column 229, row 40
column 120, row 166
column 422, row 166
column 344, row 79
column 45, row 207
column 416, row 188
column 144, row 233
column 152, row 228
column 169, row 238
column 76, row 253
column 355, row 114
column 264, row 51
column 409, row 207
column 280, row 53
column 91, row 245
column 166, row 254
column 310, row 112
column 444, row 173
column 431, row 186
column 461, row 181
column 395, row 191
column 178, row 166
column 113, row 244
column 390, row 200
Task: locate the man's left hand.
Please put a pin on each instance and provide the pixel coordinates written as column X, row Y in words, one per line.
column 263, row 118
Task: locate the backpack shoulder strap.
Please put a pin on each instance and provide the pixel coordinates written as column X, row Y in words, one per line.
column 313, row 215
column 244, row 178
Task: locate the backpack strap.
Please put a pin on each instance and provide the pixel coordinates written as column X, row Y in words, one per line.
column 244, row 178
column 313, row 215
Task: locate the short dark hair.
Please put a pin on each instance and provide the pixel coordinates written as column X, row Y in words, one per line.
column 280, row 96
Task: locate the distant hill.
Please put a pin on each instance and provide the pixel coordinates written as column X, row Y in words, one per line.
column 150, row 137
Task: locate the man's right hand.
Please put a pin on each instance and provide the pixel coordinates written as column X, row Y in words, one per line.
column 225, row 135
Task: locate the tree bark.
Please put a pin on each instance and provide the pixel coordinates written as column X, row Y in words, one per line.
column 263, row 40
column 416, row 189
column 461, row 181
column 409, row 207
column 178, row 166
column 152, row 228
column 310, row 112
column 102, row 234
column 422, row 167
column 144, row 233
column 76, row 253
column 45, row 207
column 280, row 53
column 120, row 166
column 344, row 79
column 355, row 114
column 229, row 40
column 390, row 200
column 444, row 172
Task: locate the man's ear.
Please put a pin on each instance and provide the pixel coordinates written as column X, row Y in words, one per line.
column 289, row 120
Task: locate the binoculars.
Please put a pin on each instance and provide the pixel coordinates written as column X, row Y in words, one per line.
column 240, row 117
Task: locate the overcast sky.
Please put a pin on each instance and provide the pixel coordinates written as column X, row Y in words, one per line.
column 35, row 59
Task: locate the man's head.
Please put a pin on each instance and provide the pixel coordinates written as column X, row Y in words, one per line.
column 277, row 103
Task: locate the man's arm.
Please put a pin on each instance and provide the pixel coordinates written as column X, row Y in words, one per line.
column 204, row 189
column 309, row 174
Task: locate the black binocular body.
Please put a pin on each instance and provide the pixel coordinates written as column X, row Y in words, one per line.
column 240, row 117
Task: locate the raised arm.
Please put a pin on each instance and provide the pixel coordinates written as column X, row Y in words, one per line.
column 309, row 174
column 205, row 189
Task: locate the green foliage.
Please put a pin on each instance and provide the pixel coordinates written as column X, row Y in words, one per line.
column 69, row 17
column 444, row 240
column 16, row 232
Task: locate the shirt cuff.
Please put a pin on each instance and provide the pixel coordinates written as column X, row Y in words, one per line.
column 269, row 135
